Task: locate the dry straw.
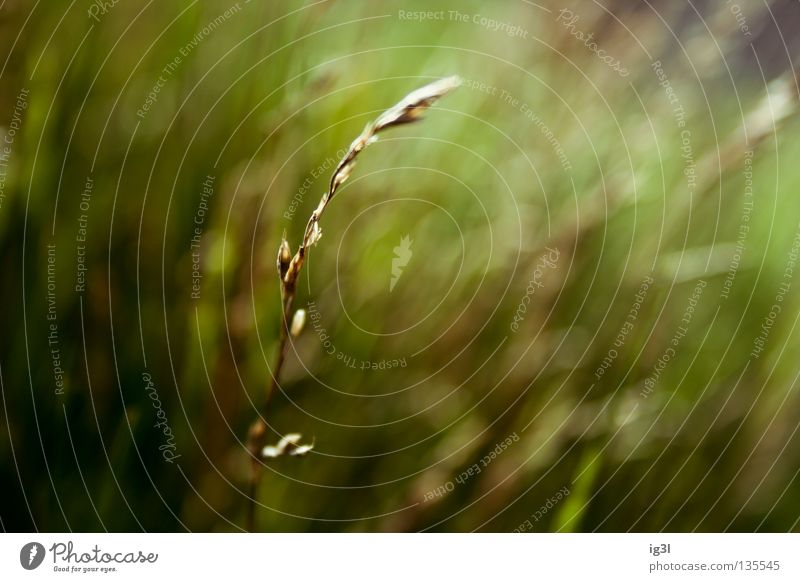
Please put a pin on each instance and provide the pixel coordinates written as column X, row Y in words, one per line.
column 409, row 110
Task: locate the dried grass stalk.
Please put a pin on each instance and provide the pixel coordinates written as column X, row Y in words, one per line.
column 409, row 110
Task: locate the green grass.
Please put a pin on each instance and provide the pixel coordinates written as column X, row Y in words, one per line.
column 480, row 190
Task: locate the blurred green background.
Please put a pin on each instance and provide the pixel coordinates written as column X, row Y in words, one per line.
column 679, row 172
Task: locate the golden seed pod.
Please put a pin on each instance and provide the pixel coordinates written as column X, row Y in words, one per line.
column 298, row 322
column 284, row 258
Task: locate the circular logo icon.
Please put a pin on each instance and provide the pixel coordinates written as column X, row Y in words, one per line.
column 31, row 555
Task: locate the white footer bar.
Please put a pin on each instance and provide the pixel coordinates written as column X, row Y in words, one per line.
column 402, row 557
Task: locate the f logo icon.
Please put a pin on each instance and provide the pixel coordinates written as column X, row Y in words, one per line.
column 31, row 555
